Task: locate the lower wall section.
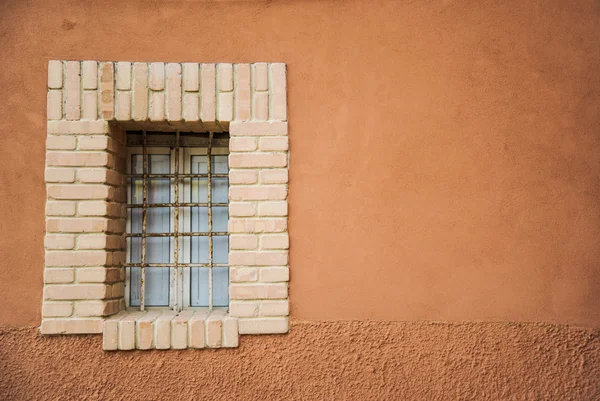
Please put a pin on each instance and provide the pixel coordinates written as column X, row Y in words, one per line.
column 317, row 360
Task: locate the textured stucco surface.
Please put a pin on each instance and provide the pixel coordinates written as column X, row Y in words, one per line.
column 444, row 154
column 318, row 361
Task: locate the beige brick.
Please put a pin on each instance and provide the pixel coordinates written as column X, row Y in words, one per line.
column 258, row 258
column 95, row 142
column 225, row 77
column 243, row 309
column 76, row 291
column 258, row 128
column 276, row 241
column 76, row 258
column 214, row 325
column 273, row 144
column 274, row 308
column 258, row 291
column 96, row 208
column 59, row 276
column 72, row 90
column 60, row 175
column 196, row 330
column 123, row 106
column 257, row 192
column 275, row 176
column 90, row 75
column 191, row 107
column 173, row 72
column 127, row 331
column 225, row 107
column 208, row 85
column 54, row 104
column 273, row 208
column 78, row 191
column 140, row 92
column 55, row 74
column 243, row 274
column 242, row 209
column 242, row 176
column 99, row 175
column 271, row 325
column 77, row 159
column 98, row 275
column 179, row 330
column 110, row 332
column 70, row 225
column 191, row 77
column 78, row 127
column 278, row 92
column 57, row 309
column 123, row 75
column 60, row 142
column 157, row 76
column 90, row 105
column 257, row 225
column 162, row 330
column 107, row 91
column 71, row 326
column 157, row 107
column 93, row 241
column 59, row 241
column 257, row 160
column 60, row 208
column 260, row 106
column 243, row 241
column 260, row 78
column 230, row 332
column 274, row 274
column 242, row 144
column 96, row 308
column 242, row 93
column 117, row 290
column 145, row 330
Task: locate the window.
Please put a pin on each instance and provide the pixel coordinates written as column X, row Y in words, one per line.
column 178, row 244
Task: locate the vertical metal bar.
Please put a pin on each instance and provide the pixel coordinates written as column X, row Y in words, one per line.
column 210, row 222
column 176, row 306
column 144, row 210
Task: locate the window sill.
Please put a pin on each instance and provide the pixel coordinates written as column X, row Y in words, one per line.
column 155, row 329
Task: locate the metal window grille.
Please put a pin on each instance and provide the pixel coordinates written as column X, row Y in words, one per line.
column 174, row 142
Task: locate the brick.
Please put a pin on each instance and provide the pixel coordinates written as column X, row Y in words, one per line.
column 54, row 104
column 274, row 308
column 274, row 176
column 191, row 77
column 60, row 175
column 98, row 275
column 71, row 326
column 90, row 105
column 78, row 127
column 191, row 107
column 173, row 72
column 274, row 274
column 266, row 325
column 140, row 92
column 157, row 107
column 255, row 258
column 196, row 330
column 274, row 144
column 214, row 325
column 70, row 225
column 76, row 291
column 60, row 208
column 225, row 77
column 242, row 93
column 260, row 106
column 225, row 107
column 72, row 90
column 208, row 85
column 97, row 208
column 257, row 192
column 117, row 290
column 76, row 258
column 242, row 209
column 127, row 331
column 77, row 159
column 123, row 106
column 242, row 144
column 95, row 142
column 59, row 276
column 107, row 91
column 179, row 330
column 60, row 142
column 260, row 78
column 257, row 160
column 243, row 274
column 243, row 176
column 145, row 330
column 90, row 74
column 258, row 128
column 162, row 330
column 94, row 241
column 59, row 241
column 99, row 175
column 55, row 74
column 243, row 309
column 230, row 332
column 96, row 308
column 278, row 92
column 110, row 332
column 123, row 80
column 157, row 76
column 243, row 241
column 70, row 191
column 57, row 309
column 276, row 241
column 258, row 291
column 236, row 225
column 273, row 208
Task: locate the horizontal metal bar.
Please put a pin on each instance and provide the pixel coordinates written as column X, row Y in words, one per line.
column 178, row 264
column 192, row 204
column 174, row 175
column 191, row 139
column 213, row 234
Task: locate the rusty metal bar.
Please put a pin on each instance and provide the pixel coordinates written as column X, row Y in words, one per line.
column 210, row 222
column 181, row 234
column 144, row 210
column 178, row 264
column 223, row 175
column 187, row 204
column 176, row 306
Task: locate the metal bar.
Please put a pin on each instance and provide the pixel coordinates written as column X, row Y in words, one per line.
column 187, row 204
column 210, row 222
column 178, row 264
column 181, row 234
column 223, row 175
column 144, row 200
column 176, row 306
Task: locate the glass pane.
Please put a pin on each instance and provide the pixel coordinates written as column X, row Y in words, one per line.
column 221, row 249
column 219, row 164
column 220, row 216
column 220, row 190
column 220, row 286
column 199, row 286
